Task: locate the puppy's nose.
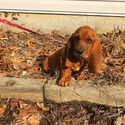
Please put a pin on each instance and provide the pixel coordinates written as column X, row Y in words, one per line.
column 79, row 50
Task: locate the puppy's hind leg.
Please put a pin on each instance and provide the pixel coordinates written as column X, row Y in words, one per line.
column 47, row 68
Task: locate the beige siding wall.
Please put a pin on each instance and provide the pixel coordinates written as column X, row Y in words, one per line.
column 65, row 23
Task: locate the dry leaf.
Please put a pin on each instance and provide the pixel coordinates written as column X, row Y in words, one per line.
column 67, row 117
column 2, row 108
column 41, row 105
column 14, row 102
column 34, row 119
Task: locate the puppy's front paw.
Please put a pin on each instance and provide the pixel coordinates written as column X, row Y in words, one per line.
column 64, row 81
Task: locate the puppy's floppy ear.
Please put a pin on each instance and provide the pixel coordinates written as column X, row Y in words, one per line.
column 71, row 40
column 95, row 56
column 69, row 47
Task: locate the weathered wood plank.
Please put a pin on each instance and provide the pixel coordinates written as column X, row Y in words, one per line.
column 21, row 88
column 113, row 95
column 37, row 89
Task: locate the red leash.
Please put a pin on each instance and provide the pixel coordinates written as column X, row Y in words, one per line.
column 26, row 29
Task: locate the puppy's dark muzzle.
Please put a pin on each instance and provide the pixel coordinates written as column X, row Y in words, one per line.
column 78, row 51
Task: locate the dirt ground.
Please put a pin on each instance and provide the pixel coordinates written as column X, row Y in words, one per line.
column 22, row 54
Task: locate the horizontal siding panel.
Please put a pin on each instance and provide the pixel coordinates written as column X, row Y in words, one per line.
column 93, row 7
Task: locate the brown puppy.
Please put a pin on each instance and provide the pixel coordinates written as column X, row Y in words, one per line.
column 83, row 48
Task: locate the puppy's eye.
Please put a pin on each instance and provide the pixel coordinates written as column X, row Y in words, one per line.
column 76, row 38
column 89, row 41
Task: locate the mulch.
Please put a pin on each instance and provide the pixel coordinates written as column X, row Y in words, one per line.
column 22, row 112
column 22, row 54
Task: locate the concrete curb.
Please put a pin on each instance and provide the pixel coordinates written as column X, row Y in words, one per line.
column 40, row 89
